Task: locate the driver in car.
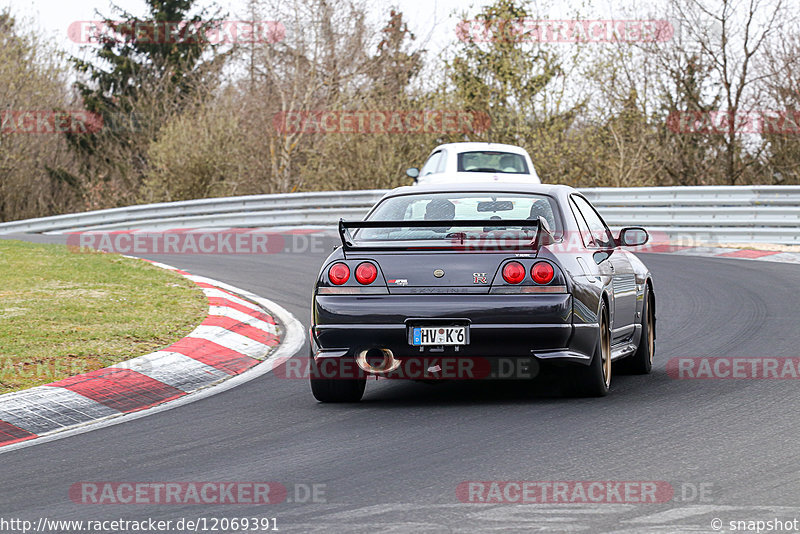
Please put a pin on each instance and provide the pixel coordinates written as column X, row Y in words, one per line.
column 541, row 208
column 440, row 209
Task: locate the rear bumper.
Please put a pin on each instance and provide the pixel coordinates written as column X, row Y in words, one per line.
column 500, row 326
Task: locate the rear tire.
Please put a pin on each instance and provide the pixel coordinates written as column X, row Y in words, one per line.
column 335, row 389
column 641, row 363
column 594, row 380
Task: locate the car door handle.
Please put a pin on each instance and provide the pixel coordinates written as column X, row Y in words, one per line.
column 611, row 266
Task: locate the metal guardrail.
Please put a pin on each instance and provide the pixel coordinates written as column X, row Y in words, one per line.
column 706, row 214
column 712, row 214
column 253, row 210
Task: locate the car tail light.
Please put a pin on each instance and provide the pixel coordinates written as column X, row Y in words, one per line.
column 366, row 273
column 542, row 272
column 338, row 273
column 513, row 272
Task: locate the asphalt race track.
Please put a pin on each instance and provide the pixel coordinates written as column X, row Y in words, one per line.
column 393, row 462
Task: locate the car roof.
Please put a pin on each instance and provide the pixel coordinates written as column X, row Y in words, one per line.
column 470, row 146
column 483, row 187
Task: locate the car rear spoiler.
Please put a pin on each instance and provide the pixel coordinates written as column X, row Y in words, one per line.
column 543, row 237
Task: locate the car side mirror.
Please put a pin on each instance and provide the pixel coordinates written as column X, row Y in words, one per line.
column 413, row 172
column 633, row 236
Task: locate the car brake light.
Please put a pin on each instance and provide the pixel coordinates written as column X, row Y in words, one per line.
column 513, row 272
column 366, row 273
column 338, row 273
column 542, row 272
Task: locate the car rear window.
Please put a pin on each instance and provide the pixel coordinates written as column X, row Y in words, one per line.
column 492, row 161
column 492, row 207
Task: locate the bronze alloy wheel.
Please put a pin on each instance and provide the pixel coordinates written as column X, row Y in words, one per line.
column 651, row 331
column 605, row 351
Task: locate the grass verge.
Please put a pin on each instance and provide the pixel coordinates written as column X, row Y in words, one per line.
column 63, row 313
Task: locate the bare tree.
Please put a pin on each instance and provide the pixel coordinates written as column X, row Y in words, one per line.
column 733, row 35
column 33, row 79
column 323, row 52
column 782, row 87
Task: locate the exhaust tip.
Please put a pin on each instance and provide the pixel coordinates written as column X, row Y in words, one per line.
column 377, row 361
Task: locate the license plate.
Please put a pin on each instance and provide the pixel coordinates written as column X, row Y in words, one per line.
column 438, row 335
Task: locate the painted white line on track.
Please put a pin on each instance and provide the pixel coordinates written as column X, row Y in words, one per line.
column 231, row 340
column 174, row 369
column 225, row 311
column 43, row 409
column 211, row 292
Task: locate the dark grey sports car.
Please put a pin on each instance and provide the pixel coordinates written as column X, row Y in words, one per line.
column 454, row 282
